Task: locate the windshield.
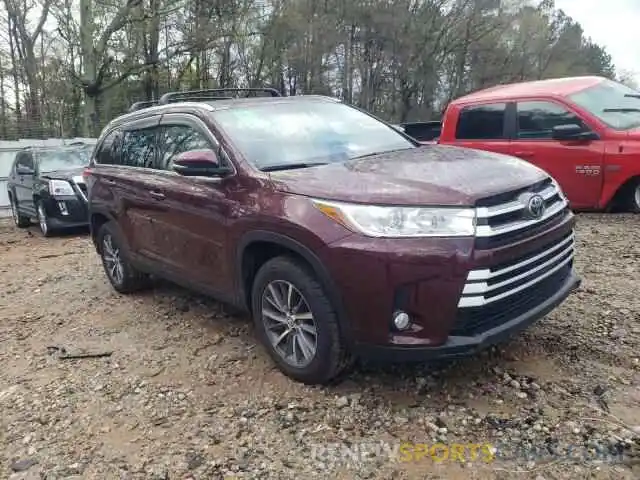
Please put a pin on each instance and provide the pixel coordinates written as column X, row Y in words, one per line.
column 303, row 133
column 606, row 96
column 63, row 159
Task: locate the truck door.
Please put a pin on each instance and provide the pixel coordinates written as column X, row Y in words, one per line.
column 577, row 165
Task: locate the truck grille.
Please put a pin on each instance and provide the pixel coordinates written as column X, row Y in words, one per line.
column 491, row 285
column 505, row 218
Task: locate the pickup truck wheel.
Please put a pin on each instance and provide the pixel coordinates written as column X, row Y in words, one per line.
column 297, row 323
column 634, row 198
column 121, row 274
column 20, row 220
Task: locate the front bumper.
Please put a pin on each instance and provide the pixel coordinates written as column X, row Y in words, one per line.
column 460, row 346
column 66, row 212
column 459, row 297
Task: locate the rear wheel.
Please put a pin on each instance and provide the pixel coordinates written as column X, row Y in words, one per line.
column 297, row 323
column 633, row 197
column 20, row 220
column 123, row 276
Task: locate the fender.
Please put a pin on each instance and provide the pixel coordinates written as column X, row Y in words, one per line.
column 110, row 218
column 610, row 191
column 318, row 268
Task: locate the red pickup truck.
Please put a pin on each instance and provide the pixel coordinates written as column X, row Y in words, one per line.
column 584, row 131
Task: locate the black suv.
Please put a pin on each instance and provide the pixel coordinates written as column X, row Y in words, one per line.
column 47, row 183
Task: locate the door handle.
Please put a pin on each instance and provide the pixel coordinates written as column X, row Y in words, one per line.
column 524, row 154
column 108, row 181
column 156, row 195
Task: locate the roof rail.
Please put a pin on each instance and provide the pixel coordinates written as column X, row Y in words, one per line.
column 141, row 105
column 210, row 94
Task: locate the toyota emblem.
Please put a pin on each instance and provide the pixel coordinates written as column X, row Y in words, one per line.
column 536, row 206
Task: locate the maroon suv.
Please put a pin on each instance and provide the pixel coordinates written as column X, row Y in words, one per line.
column 342, row 236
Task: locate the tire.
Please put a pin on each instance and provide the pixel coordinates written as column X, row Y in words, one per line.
column 121, row 274
column 43, row 220
column 633, row 197
column 330, row 356
column 20, row 220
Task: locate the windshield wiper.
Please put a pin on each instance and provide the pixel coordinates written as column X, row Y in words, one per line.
column 358, row 157
column 290, row 166
column 632, row 95
column 621, row 110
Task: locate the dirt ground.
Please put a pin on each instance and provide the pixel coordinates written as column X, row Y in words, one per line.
column 186, row 392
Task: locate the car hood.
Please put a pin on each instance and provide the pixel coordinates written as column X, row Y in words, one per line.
column 429, row 175
column 67, row 174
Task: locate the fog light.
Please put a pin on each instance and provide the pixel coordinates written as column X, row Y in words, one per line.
column 63, row 208
column 401, row 320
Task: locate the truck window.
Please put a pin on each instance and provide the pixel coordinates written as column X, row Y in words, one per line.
column 482, row 122
column 537, row 119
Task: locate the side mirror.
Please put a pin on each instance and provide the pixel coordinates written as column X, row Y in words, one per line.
column 572, row 131
column 24, row 170
column 203, row 163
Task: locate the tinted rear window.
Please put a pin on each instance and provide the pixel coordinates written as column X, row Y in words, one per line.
column 482, row 122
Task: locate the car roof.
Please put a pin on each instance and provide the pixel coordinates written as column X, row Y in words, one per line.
column 555, row 87
column 215, row 105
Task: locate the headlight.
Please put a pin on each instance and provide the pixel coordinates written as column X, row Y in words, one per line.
column 60, row 187
column 390, row 221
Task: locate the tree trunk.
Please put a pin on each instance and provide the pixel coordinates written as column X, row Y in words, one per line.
column 90, row 71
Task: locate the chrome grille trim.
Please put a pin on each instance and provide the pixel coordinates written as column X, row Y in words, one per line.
column 489, row 226
column 484, row 287
column 78, row 180
column 475, row 293
column 487, row 274
column 514, row 206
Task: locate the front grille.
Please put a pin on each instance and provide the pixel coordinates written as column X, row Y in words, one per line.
column 490, row 285
column 81, row 187
column 504, row 219
column 472, row 321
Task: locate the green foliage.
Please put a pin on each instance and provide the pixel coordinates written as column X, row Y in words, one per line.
column 402, row 59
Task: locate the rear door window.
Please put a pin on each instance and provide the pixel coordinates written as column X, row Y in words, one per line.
column 139, row 148
column 482, row 122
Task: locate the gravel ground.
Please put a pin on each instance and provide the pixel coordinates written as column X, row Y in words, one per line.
column 186, row 392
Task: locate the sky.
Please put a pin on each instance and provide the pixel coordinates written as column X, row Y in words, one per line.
column 613, row 24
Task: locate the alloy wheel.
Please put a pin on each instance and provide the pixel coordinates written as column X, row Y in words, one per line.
column 42, row 220
column 289, row 323
column 112, row 260
column 636, row 196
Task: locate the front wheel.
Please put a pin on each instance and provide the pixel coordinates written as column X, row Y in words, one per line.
column 123, row 276
column 43, row 219
column 297, row 323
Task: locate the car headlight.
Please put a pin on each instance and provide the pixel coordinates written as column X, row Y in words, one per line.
column 60, row 187
column 391, row 221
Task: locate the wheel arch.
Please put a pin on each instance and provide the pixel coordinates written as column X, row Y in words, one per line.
column 618, row 196
column 97, row 218
column 257, row 247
